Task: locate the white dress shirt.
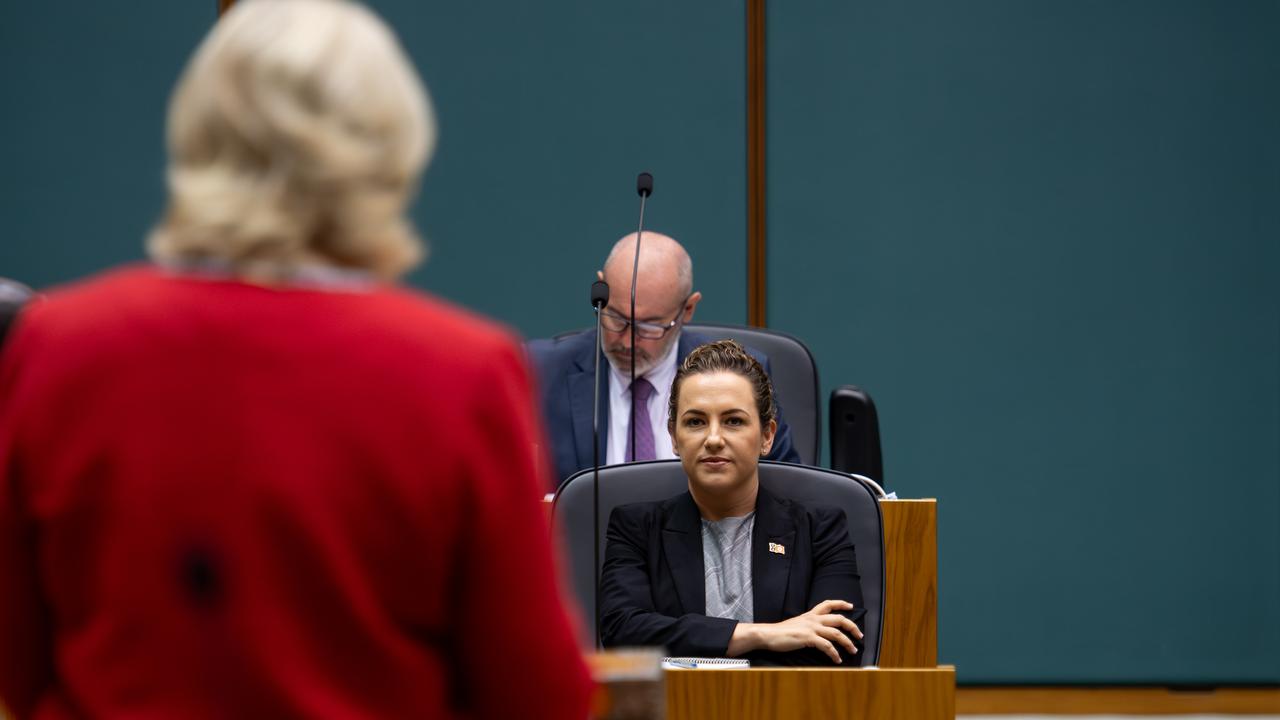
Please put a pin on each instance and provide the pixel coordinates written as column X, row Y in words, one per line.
column 660, row 376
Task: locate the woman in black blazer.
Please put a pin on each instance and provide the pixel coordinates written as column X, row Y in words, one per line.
column 726, row 569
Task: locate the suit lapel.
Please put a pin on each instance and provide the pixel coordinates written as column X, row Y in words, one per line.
column 770, row 569
column 581, row 398
column 682, row 546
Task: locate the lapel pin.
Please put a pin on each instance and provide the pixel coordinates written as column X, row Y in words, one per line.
column 777, row 549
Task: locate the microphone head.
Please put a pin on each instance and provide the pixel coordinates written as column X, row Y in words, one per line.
column 644, row 184
column 599, row 294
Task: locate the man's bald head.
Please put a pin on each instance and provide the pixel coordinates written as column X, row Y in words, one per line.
column 664, row 294
column 661, row 258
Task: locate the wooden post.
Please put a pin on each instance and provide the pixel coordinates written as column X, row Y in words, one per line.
column 755, row 165
column 910, row 625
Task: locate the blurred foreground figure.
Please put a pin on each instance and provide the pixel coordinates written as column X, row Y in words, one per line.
column 254, row 479
column 13, row 295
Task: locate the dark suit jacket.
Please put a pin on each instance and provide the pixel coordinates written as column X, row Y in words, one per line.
column 565, row 366
column 652, row 589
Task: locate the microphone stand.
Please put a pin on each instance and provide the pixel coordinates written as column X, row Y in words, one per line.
column 644, row 187
column 599, row 298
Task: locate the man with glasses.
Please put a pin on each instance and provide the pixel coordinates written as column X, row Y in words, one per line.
column 665, row 301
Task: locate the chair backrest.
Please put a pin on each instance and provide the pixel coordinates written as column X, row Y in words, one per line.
column 794, row 375
column 648, row 481
column 855, row 433
column 795, row 380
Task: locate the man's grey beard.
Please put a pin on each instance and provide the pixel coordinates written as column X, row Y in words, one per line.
column 644, row 363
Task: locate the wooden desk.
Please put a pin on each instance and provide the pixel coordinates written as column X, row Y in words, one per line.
column 783, row 694
column 910, row 625
column 908, row 685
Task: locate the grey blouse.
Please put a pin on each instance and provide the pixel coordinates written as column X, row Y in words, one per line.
column 726, row 560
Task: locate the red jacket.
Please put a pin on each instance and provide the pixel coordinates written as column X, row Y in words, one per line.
column 219, row 499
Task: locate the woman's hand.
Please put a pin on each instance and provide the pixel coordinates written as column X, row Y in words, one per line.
column 819, row 628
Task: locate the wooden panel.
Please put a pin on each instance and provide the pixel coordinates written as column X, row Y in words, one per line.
column 911, row 584
column 781, row 694
column 1117, row 701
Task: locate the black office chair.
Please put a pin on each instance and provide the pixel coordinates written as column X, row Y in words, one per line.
column 855, row 433
column 794, row 375
column 571, row 514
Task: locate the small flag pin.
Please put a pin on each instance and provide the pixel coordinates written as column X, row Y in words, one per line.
column 778, row 549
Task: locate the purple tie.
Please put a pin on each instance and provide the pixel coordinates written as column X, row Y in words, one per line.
column 641, row 391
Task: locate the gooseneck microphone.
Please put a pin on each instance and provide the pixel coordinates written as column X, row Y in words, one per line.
column 644, row 188
column 599, row 298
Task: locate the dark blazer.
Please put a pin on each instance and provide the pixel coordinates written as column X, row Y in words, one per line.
column 653, row 592
column 565, row 366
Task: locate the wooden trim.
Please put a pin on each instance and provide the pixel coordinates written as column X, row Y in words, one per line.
column 808, row 693
column 225, row 5
column 1116, row 701
column 755, row 165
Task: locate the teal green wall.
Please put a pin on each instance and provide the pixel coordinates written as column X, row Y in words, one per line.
column 81, row 131
column 1044, row 235
column 548, row 111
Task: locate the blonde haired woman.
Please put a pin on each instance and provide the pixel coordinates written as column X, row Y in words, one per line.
column 254, row 479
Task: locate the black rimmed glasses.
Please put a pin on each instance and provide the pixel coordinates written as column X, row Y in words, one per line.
column 615, row 323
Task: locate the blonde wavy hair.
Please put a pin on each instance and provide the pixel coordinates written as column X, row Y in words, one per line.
column 296, row 136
